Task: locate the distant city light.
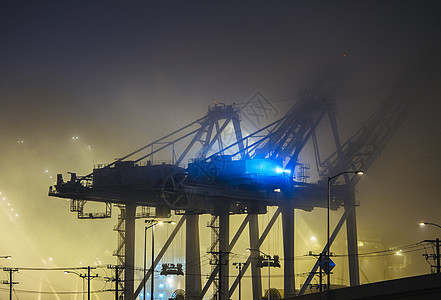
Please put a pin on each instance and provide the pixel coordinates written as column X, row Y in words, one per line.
column 313, row 239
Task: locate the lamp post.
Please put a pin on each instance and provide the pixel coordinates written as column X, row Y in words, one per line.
column 83, row 276
column 328, row 254
column 152, row 224
column 438, row 265
column 428, row 223
column 268, row 257
column 6, row 256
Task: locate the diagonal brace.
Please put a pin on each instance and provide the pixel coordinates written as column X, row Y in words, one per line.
column 325, row 250
column 260, row 242
column 160, row 255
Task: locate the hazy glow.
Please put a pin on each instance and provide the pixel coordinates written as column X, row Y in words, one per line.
column 120, row 85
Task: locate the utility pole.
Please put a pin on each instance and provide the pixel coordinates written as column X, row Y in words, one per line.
column 116, row 279
column 321, row 272
column 270, row 262
column 438, row 266
column 11, row 282
column 239, row 266
column 437, row 256
column 88, row 280
column 219, row 264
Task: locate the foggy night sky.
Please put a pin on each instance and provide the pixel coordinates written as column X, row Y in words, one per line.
column 120, row 74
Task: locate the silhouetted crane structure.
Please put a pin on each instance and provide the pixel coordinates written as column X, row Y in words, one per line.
column 228, row 173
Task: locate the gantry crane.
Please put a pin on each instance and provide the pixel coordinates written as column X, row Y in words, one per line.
column 241, row 177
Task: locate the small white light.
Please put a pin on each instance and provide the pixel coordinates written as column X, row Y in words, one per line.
column 277, row 190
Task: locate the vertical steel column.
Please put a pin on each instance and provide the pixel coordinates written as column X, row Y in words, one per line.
column 288, row 250
column 192, row 259
column 255, row 270
column 224, row 248
column 129, row 254
column 351, row 229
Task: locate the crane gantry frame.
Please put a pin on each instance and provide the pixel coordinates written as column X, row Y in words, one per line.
column 171, row 186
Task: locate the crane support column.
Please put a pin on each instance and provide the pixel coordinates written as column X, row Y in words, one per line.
column 351, row 229
column 224, row 245
column 192, row 258
column 130, row 213
column 255, row 270
column 288, row 250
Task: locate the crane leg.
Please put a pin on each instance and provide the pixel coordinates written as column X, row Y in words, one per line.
column 130, row 214
column 288, row 250
column 254, row 244
column 192, row 253
column 351, row 229
column 224, row 245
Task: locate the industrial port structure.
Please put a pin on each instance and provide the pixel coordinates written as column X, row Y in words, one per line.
column 230, row 172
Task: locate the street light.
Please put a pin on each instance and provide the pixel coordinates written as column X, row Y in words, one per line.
column 268, row 257
column 152, row 224
column 83, row 276
column 328, row 255
column 437, row 243
column 428, row 223
column 6, row 256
